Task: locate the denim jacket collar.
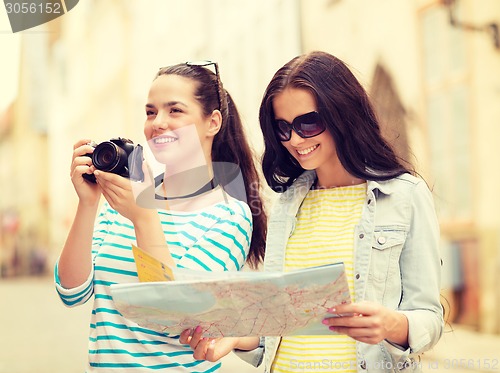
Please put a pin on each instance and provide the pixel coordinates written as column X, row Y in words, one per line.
column 304, row 182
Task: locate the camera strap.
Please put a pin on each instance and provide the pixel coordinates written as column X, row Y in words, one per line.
column 212, row 184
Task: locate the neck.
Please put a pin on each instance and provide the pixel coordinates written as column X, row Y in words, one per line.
column 186, row 182
column 336, row 178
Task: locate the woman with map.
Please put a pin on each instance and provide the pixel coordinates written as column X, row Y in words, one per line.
column 345, row 197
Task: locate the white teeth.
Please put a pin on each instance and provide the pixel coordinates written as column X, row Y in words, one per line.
column 164, row 140
column 307, row 150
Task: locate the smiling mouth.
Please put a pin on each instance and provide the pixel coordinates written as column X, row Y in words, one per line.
column 164, row 140
column 307, row 150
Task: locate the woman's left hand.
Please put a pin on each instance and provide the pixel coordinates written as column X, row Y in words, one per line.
column 211, row 349
column 118, row 192
column 369, row 322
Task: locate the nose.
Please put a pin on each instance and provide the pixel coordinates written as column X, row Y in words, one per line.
column 295, row 139
column 160, row 122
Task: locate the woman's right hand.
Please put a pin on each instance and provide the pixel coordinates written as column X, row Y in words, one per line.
column 214, row 349
column 211, row 349
column 88, row 193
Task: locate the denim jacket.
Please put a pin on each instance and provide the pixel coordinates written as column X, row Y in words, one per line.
column 397, row 264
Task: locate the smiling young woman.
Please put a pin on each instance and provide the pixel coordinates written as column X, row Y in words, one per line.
column 346, row 197
column 192, row 127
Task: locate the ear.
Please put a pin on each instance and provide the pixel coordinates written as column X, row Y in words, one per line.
column 215, row 123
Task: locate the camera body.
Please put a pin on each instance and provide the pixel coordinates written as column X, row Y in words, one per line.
column 119, row 156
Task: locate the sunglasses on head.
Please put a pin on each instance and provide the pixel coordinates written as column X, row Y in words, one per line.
column 305, row 125
column 205, row 63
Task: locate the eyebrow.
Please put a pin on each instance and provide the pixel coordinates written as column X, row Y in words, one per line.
column 167, row 104
column 280, row 119
column 276, row 120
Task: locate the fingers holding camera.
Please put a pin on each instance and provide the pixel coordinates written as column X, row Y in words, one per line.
column 118, row 192
column 81, row 157
column 81, row 164
column 80, row 143
column 112, row 185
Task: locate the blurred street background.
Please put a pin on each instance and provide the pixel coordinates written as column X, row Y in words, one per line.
column 432, row 68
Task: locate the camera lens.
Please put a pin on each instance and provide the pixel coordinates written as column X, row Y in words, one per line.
column 109, row 157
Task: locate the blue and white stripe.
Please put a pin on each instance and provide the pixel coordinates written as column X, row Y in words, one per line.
column 215, row 239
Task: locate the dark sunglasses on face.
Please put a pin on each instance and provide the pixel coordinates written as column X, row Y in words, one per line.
column 305, row 125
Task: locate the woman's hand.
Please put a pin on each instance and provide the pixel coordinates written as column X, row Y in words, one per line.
column 369, row 322
column 88, row 193
column 211, row 349
column 120, row 195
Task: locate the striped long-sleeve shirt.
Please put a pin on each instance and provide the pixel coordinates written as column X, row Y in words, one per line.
column 216, row 238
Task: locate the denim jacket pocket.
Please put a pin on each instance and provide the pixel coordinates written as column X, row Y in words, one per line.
column 384, row 276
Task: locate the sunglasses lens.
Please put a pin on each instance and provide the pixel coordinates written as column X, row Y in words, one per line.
column 283, row 130
column 309, row 125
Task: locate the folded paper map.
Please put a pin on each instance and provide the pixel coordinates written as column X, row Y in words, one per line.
column 150, row 269
column 236, row 303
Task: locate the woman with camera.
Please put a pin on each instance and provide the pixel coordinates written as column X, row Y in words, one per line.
column 189, row 219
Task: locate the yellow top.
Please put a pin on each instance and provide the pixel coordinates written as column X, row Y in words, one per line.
column 324, row 234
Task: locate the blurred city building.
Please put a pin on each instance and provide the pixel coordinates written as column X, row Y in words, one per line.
column 432, row 68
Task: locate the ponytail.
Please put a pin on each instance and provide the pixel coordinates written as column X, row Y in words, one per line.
column 231, row 145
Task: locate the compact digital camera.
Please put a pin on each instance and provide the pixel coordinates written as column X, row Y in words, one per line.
column 119, row 156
